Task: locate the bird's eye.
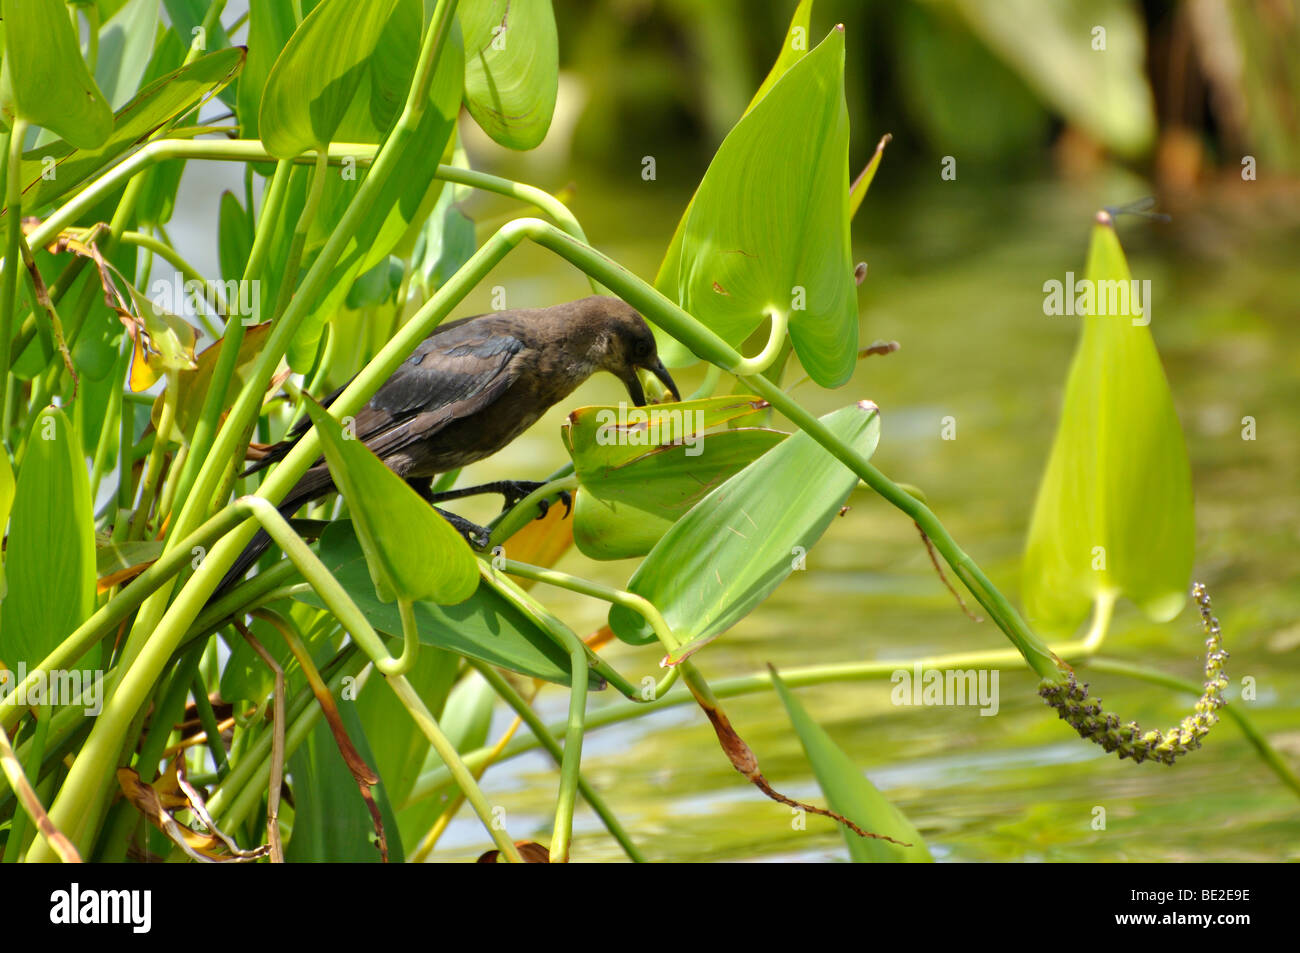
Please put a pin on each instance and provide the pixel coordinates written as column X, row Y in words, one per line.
column 643, row 348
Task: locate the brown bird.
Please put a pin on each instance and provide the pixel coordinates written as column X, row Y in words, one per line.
column 470, row 388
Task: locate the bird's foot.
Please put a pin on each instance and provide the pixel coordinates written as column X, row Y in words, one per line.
column 477, row 536
column 513, row 490
column 516, row 490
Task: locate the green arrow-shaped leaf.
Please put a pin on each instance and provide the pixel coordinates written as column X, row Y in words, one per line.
column 1114, row 510
column 671, row 351
column 768, row 230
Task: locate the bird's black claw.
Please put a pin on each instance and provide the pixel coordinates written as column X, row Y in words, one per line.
column 516, row 490
column 564, row 496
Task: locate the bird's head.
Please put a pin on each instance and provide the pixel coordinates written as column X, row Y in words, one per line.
column 621, row 343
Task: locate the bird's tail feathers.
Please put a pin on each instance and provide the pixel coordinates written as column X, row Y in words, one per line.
column 314, row 484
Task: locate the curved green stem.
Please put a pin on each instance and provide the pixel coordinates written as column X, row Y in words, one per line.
column 619, row 597
column 570, row 763
column 810, row 675
column 1103, row 609
column 461, row 774
column 410, row 641
column 761, row 361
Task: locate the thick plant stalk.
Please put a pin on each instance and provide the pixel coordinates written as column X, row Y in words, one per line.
column 210, row 413
column 9, row 280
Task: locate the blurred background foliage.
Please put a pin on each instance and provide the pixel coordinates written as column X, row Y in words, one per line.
column 1181, row 88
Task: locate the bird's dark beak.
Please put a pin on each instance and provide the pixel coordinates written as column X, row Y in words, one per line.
column 661, row 372
column 637, row 392
column 634, row 389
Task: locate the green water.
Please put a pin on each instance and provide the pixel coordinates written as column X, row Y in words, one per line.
column 956, row 275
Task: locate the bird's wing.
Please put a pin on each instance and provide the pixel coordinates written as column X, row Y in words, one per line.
column 449, row 377
column 470, row 367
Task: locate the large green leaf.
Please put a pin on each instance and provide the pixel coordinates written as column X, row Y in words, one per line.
column 413, row 553
column 158, row 104
column 641, row 471
column 50, row 557
column 52, row 87
column 724, row 557
column 1114, row 510
column 768, row 229
column 318, row 73
column 487, row 626
column 850, row 793
column 795, row 45
column 512, row 68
